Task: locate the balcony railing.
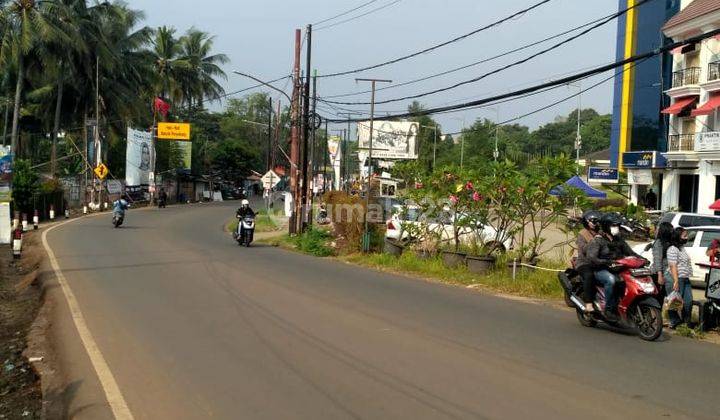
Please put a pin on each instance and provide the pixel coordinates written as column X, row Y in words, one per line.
column 713, row 71
column 688, row 76
column 681, row 142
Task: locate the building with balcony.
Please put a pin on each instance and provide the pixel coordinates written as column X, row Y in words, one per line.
column 691, row 180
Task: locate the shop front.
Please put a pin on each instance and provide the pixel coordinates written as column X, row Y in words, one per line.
column 645, row 177
column 692, row 181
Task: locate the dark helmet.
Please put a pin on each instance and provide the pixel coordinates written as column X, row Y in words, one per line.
column 609, row 220
column 591, row 216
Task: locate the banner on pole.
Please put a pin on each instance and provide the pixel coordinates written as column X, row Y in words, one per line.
column 186, row 150
column 6, row 173
column 390, row 139
column 139, row 157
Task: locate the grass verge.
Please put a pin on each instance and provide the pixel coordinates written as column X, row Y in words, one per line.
column 528, row 283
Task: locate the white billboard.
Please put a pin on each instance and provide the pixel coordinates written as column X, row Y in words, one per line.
column 390, row 140
column 138, row 157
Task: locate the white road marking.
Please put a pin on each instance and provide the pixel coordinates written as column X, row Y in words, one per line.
column 112, row 392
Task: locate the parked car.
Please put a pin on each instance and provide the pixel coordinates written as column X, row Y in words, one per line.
column 699, row 239
column 688, row 220
column 397, row 228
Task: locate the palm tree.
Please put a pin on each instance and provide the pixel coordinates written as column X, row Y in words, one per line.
column 26, row 24
column 169, row 64
column 200, row 81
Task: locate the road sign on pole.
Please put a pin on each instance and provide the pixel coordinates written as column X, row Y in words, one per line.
column 270, row 180
column 101, row 171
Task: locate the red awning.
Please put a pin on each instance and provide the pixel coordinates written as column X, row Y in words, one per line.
column 715, row 205
column 680, row 104
column 708, row 107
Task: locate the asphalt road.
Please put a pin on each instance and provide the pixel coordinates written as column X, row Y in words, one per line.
column 193, row 326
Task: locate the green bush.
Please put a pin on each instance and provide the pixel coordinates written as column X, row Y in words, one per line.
column 314, row 242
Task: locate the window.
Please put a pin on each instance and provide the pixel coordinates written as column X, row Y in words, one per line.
column 668, row 218
column 708, row 237
column 691, row 221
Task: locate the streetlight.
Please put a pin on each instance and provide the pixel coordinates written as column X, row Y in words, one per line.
column 462, row 140
column 578, row 137
column 496, row 152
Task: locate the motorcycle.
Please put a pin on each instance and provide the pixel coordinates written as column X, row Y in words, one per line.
column 246, row 227
column 639, row 307
column 118, row 219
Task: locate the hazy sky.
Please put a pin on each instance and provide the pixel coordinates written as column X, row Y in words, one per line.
column 258, row 37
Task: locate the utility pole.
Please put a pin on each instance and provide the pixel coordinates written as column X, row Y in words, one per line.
column 366, row 235
column 270, row 135
column 578, row 137
column 98, row 146
column 278, row 118
column 462, row 141
column 314, row 162
column 346, row 152
column 306, row 125
column 326, row 158
column 295, row 218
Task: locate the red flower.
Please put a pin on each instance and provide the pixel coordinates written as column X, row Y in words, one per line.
column 476, row 196
column 418, row 185
column 454, row 199
column 469, row 185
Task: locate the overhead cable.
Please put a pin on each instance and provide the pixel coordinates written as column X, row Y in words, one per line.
column 377, row 9
column 443, row 44
column 347, row 12
column 561, row 81
column 501, row 69
column 476, row 63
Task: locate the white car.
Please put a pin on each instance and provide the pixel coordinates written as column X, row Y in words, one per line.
column 699, row 239
column 688, row 220
column 399, row 224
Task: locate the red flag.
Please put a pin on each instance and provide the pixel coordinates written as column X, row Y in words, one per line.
column 162, row 107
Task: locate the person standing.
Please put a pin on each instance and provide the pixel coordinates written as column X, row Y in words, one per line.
column 678, row 278
column 659, row 266
column 650, row 200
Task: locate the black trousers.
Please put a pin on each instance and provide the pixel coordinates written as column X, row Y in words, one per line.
column 587, row 274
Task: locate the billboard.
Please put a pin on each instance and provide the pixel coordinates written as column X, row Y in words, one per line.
column 603, row 175
column 139, row 156
column 6, row 169
column 390, row 139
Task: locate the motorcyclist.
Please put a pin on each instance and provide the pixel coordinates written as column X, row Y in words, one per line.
column 120, row 205
column 591, row 227
column 602, row 252
column 243, row 212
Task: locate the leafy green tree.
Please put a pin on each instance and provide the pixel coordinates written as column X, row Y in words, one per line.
column 26, row 182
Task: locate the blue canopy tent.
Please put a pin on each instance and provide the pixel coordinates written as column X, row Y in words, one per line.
column 577, row 182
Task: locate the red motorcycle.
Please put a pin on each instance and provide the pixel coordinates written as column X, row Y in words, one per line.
column 639, row 306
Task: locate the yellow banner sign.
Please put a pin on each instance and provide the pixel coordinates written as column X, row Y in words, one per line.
column 173, row 131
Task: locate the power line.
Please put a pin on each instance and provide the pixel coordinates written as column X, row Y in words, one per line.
column 377, row 9
column 501, row 69
column 562, row 81
column 443, row 44
column 553, row 104
column 485, row 60
column 345, row 12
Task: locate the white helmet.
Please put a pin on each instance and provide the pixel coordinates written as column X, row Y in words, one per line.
column 244, row 203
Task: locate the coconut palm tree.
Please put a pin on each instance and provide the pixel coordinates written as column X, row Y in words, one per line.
column 170, row 65
column 26, row 24
column 200, row 79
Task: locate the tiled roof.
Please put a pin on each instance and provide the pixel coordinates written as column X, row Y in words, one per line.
column 694, row 10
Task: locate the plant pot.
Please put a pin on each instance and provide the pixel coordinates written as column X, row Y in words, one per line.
column 424, row 254
column 480, row 264
column 453, row 259
column 393, row 248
